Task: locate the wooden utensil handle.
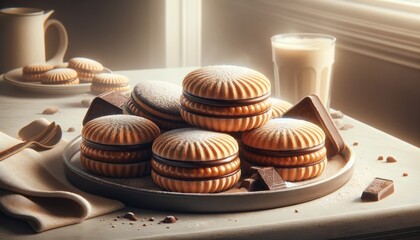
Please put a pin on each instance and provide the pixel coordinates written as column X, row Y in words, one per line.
column 14, row 149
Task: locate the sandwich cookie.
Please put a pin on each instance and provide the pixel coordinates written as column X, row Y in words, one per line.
column 34, row 72
column 193, row 160
column 295, row 148
column 226, row 98
column 104, row 82
column 279, row 107
column 118, row 145
column 60, row 76
column 86, row 68
column 159, row 102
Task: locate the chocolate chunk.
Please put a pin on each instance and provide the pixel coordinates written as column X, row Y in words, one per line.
column 251, row 184
column 391, row 159
column 130, row 216
column 311, row 109
column 270, row 179
column 378, row 189
column 108, row 103
column 169, row 219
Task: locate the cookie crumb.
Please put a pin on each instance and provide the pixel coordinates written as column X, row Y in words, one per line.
column 355, row 143
column 346, row 126
column 391, row 159
column 144, row 225
column 113, row 226
column 405, row 174
column 115, row 219
column 381, row 158
column 152, row 219
column 338, row 123
column 50, row 110
column 71, row 129
column 337, row 114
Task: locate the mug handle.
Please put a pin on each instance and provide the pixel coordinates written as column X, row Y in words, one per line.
column 63, row 40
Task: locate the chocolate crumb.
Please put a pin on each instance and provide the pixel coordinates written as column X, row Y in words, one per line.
column 405, row 174
column 131, row 216
column 131, row 223
column 167, row 227
column 381, row 158
column 391, row 159
column 152, row 219
column 50, row 110
column 346, row 126
column 86, row 102
column 113, row 226
column 71, row 129
column 169, row 219
column 115, row 219
column 355, row 143
column 296, row 211
column 144, row 225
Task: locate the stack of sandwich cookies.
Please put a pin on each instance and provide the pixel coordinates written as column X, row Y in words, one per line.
column 118, row 145
column 226, row 98
column 159, row 102
column 295, row 148
column 279, row 107
column 105, row 82
column 86, row 68
column 193, row 160
column 34, row 72
column 60, row 76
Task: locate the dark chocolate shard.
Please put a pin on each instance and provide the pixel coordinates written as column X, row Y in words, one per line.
column 311, row 109
column 378, row 189
column 108, row 103
column 270, row 179
column 251, row 184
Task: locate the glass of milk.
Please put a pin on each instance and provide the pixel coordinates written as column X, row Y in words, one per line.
column 302, row 65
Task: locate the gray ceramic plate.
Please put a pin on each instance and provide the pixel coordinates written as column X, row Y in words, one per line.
column 143, row 193
column 14, row 77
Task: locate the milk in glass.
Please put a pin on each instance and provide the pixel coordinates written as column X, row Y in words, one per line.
column 303, row 65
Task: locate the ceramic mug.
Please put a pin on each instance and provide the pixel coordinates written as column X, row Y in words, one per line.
column 22, row 37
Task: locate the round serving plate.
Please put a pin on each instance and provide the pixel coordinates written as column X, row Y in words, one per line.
column 14, row 77
column 143, row 193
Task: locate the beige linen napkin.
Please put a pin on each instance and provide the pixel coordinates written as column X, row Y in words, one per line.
column 33, row 187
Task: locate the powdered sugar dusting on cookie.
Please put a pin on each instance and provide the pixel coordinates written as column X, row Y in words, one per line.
column 160, row 95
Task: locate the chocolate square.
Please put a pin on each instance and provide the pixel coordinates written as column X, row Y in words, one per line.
column 108, row 103
column 312, row 110
column 378, row 189
column 270, row 179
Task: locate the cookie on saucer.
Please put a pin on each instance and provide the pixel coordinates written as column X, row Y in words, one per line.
column 104, row 82
column 60, row 76
column 226, row 98
column 86, row 68
column 118, row 145
column 34, row 72
column 295, row 148
column 193, row 160
column 159, row 102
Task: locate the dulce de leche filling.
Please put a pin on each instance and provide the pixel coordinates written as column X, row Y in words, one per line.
column 196, row 170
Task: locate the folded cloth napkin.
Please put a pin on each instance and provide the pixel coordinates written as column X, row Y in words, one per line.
column 33, row 188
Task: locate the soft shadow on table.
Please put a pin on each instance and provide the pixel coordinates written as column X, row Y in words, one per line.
column 14, row 226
